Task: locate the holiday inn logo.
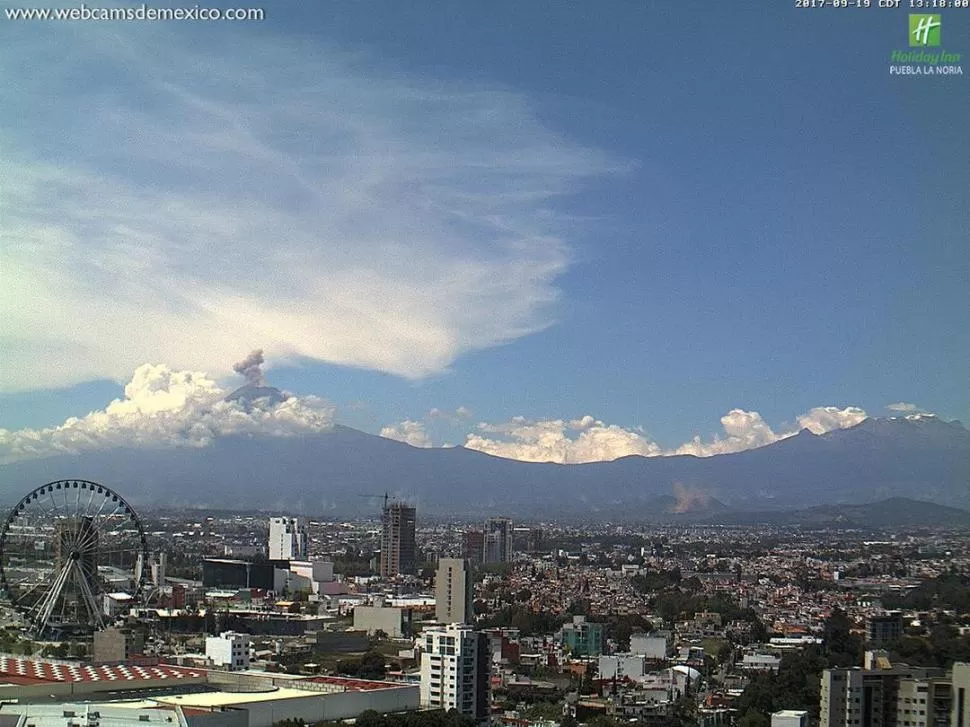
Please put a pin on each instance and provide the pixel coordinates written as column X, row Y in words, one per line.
column 925, row 56
column 924, row 30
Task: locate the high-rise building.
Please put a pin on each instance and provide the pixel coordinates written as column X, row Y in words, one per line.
column 498, row 540
column 454, row 591
column 884, row 628
column 398, row 549
column 960, row 700
column 287, row 539
column 473, row 548
column 526, row 539
column 455, row 671
column 888, row 697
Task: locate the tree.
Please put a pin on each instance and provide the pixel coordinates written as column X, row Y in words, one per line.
column 685, row 710
column 754, row 718
column 759, row 633
column 371, row 718
column 372, row 666
column 842, row 647
column 602, row 720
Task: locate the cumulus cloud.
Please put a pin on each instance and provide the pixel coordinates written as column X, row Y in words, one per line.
column 904, row 408
column 208, row 197
column 567, row 442
column 409, row 431
column 459, row 414
column 163, row 408
column 824, row 419
column 742, row 430
column 745, row 430
column 588, row 439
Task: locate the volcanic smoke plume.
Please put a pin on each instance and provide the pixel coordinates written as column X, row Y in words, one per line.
column 250, row 368
column 689, row 499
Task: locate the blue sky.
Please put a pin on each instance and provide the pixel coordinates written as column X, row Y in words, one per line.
column 653, row 214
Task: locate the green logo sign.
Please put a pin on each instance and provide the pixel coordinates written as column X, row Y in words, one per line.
column 924, row 30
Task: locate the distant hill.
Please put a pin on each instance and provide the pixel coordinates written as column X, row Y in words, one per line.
column 890, row 513
column 324, row 473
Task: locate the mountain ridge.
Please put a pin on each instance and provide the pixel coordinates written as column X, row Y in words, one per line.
column 324, row 472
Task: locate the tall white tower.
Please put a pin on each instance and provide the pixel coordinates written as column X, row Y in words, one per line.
column 287, row 539
column 455, row 671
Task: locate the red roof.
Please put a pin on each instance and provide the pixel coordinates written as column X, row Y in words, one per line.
column 355, row 685
column 14, row 670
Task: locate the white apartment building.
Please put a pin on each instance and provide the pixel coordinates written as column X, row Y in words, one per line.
column 287, row 539
column 455, row 670
column 229, row 650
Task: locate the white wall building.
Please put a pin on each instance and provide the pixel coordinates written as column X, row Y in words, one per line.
column 229, row 650
column 287, row 539
column 621, row 666
column 760, row 662
column 790, row 718
column 650, row 646
column 372, row 619
column 314, row 572
column 455, row 670
column 116, row 603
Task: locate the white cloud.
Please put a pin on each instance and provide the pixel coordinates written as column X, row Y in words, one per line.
column 459, row 414
column 824, row 419
column 409, row 431
column 550, row 441
column 745, row 430
column 163, row 408
column 742, row 430
column 206, row 202
column 588, row 439
column 904, row 407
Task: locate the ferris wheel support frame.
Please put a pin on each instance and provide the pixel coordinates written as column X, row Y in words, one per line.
column 76, row 549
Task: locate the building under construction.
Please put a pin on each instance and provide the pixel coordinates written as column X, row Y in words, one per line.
column 398, row 547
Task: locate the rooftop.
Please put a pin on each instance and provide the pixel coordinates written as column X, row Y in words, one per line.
column 14, row 670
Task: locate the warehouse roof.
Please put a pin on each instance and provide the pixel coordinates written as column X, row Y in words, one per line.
column 14, row 670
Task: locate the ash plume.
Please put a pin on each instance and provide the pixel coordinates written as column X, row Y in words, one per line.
column 249, row 367
column 689, row 499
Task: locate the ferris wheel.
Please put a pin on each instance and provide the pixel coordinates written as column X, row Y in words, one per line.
column 72, row 552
